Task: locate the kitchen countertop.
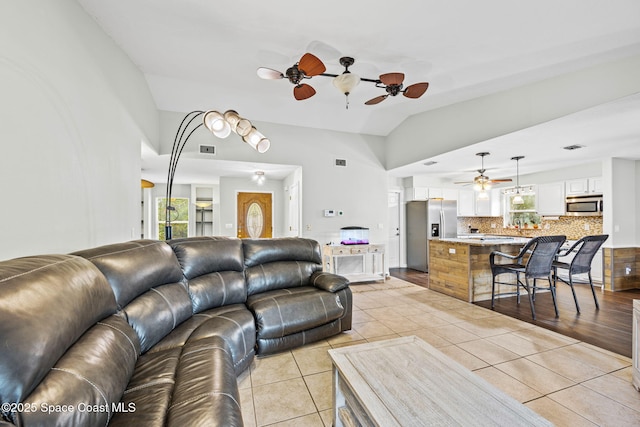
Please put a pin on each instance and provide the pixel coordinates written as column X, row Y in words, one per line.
column 486, row 240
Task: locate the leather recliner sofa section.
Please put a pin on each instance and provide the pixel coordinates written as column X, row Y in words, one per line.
column 154, row 333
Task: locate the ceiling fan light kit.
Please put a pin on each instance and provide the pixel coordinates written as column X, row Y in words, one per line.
column 310, row 66
column 482, row 183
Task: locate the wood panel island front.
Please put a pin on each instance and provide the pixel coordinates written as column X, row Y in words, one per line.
column 460, row 267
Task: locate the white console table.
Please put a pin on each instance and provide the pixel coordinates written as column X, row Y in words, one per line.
column 371, row 258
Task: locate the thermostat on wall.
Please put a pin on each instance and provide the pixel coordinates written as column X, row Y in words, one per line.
column 329, row 212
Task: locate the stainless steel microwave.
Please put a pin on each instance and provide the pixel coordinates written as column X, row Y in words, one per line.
column 590, row 205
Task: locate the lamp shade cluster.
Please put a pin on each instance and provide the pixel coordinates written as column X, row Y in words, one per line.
column 221, row 125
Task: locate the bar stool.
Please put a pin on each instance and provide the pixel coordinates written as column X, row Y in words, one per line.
column 581, row 263
column 541, row 252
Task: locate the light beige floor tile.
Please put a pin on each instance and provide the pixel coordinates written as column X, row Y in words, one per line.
column 382, row 313
column 454, row 333
column 274, row 368
column 348, row 344
column 582, row 353
column 623, row 359
column 487, row 351
column 625, row 374
column 320, row 387
column 596, row 408
column 452, row 316
column 519, row 345
column 313, row 360
column 372, row 329
column 428, row 320
column 345, row 337
column 327, row 417
column 282, row 401
column 535, row 376
column 561, row 362
column 550, row 338
column 383, row 338
column 311, row 420
column 618, row 389
column 400, row 324
column 246, row 404
column 485, row 327
column 514, row 388
column 429, row 337
column 558, row 414
column 463, row 357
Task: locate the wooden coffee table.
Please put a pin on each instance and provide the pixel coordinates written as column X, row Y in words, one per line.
column 407, row 382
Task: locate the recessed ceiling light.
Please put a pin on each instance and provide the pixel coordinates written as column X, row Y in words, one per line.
column 573, row 147
column 429, row 163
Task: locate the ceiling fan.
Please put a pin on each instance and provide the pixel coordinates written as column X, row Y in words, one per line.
column 392, row 83
column 308, row 66
column 483, row 182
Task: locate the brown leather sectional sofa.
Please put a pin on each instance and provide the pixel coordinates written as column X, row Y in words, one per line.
column 152, row 333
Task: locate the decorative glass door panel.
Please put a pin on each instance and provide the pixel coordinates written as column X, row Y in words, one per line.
column 254, row 215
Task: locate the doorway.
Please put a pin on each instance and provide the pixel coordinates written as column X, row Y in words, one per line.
column 394, row 202
column 254, row 212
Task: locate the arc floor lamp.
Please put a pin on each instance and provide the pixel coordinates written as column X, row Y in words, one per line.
column 221, row 125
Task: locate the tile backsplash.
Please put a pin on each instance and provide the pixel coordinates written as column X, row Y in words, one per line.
column 572, row 227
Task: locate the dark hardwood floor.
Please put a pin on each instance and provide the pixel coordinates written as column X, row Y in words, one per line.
column 610, row 327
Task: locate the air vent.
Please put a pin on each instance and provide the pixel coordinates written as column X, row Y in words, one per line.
column 573, row 147
column 341, row 162
column 429, row 163
column 208, row 149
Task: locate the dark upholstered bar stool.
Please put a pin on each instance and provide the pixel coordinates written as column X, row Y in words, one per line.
column 534, row 262
column 587, row 247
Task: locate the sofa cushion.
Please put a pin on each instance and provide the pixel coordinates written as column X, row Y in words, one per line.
column 88, row 380
column 283, row 312
column 132, row 268
column 214, row 267
column 263, row 251
column 206, row 389
column 279, row 275
column 157, row 312
column 46, row 303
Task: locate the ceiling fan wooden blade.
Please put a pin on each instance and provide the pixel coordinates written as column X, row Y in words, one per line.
column 303, row 91
column 311, row 65
column 269, row 73
column 416, row 90
column 464, row 182
column 501, row 180
column 392, row 79
column 376, row 100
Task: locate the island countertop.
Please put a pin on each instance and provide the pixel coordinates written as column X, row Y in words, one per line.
column 460, row 267
column 484, row 240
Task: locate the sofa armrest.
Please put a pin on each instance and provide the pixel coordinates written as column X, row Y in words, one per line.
column 328, row 281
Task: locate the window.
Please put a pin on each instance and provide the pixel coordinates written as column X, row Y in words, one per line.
column 520, row 215
column 179, row 217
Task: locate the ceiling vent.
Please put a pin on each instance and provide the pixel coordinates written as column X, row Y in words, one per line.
column 341, row 162
column 208, row 149
column 429, row 163
column 573, row 147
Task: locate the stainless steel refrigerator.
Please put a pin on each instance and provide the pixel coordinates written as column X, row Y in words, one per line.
column 426, row 220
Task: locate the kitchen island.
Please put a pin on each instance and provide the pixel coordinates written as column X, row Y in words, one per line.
column 460, row 267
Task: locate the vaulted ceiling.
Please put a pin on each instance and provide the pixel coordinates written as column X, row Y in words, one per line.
column 204, row 54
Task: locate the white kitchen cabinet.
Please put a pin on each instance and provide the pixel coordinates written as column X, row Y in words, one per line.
column 450, row 194
column 550, row 198
column 466, row 203
column 470, row 205
column 422, row 193
column 580, row 187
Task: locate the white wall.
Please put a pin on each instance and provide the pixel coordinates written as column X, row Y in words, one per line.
column 73, row 111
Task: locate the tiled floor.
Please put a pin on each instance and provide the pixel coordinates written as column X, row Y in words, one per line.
column 566, row 381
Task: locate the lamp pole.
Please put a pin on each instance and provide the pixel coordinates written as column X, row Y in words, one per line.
column 221, row 126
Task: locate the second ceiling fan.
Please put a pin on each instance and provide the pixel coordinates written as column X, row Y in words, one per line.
column 483, row 182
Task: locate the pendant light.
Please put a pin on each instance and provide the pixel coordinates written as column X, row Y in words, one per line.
column 517, row 199
column 346, row 81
